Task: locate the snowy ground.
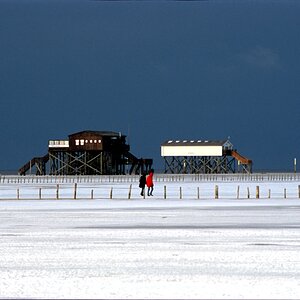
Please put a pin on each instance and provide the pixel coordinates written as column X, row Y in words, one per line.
column 151, row 248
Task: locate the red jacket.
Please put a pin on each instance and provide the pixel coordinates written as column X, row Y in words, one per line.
column 149, row 180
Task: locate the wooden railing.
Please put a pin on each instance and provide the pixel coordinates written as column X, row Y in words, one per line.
column 255, row 177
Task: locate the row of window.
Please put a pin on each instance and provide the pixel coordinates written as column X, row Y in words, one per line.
column 82, row 142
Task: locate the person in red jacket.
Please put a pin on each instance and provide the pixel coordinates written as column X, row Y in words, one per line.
column 149, row 182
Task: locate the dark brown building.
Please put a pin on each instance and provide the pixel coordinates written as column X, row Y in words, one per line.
column 88, row 153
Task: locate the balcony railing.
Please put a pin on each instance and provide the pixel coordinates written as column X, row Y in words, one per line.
column 58, row 144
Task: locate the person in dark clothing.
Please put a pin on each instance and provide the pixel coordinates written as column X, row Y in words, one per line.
column 142, row 183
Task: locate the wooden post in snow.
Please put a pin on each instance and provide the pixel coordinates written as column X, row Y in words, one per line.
column 40, row 193
column 129, row 192
column 216, row 192
column 57, row 191
column 198, row 193
column 165, row 192
column 238, row 192
column 248, row 193
column 111, row 193
column 257, row 192
column 75, row 191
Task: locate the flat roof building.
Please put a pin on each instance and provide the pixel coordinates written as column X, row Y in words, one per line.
column 202, row 156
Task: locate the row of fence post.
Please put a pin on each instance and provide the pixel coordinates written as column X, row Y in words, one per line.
column 257, row 192
column 216, row 193
column 165, row 194
column 159, row 178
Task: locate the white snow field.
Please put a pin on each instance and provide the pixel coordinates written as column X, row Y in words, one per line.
column 209, row 248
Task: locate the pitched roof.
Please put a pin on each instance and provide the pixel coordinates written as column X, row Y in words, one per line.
column 101, row 133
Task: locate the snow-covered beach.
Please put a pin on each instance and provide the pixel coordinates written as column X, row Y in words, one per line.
column 151, row 248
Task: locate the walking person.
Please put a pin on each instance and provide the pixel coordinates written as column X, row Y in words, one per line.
column 142, row 183
column 149, row 182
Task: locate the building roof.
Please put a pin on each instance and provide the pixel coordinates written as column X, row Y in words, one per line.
column 101, row 133
column 195, row 143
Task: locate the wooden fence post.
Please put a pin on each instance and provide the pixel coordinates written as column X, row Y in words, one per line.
column 216, row 192
column 129, row 192
column 18, row 194
column 284, row 193
column 257, row 192
column 165, row 192
column 269, row 196
column 111, row 193
column 92, row 194
column 180, row 193
column 75, row 191
column 40, row 193
column 198, row 193
column 57, row 191
column 248, row 193
column 238, row 192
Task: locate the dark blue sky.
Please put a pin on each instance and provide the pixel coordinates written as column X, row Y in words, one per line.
column 157, row 70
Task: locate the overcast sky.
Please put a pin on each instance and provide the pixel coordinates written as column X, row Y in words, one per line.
column 153, row 70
